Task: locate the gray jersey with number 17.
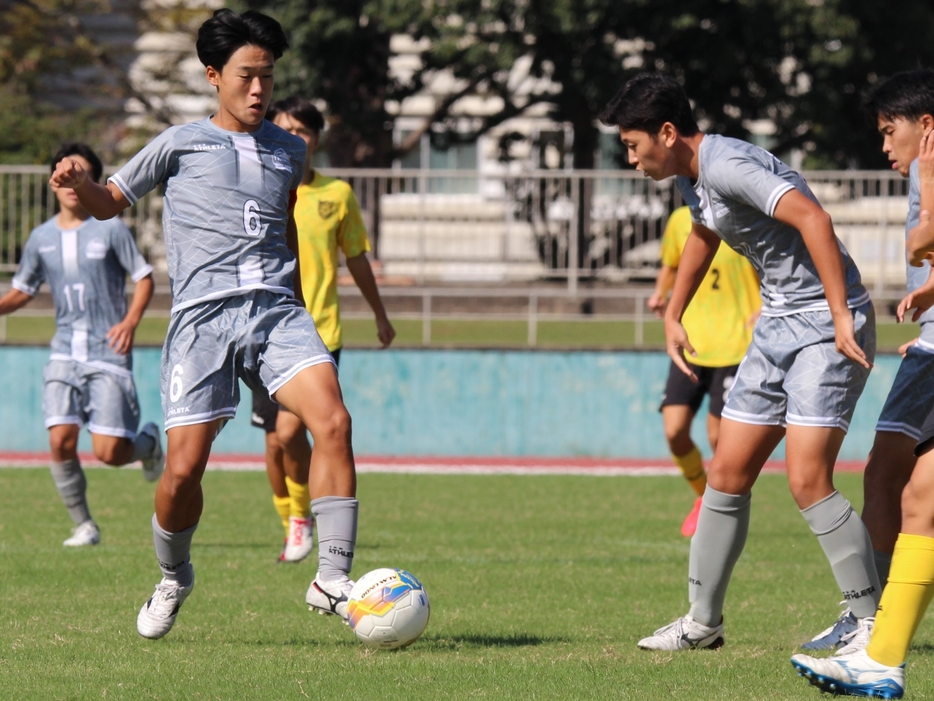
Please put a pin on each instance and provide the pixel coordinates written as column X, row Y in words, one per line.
column 737, row 189
column 86, row 269
column 225, row 209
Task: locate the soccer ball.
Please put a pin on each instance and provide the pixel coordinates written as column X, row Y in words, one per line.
column 388, row 608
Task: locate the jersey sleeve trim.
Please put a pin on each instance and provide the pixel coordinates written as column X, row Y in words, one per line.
column 776, row 195
column 24, row 288
column 141, row 273
column 123, row 187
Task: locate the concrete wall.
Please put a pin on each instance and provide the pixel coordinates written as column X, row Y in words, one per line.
column 462, row 403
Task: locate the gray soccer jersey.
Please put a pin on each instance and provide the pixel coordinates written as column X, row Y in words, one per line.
column 86, row 269
column 225, row 209
column 918, row 276
column 737, row 190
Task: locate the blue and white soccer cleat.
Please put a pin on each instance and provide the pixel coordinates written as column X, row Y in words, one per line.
column 684, row 634
column 329, row 597
column 830, row 638
column 157, row 616
column 858, row 640
column 852, row 675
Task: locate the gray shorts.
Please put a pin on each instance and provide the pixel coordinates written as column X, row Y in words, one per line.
column 793, row 374
column 261, row 337
column 911, row 398
column 80, row 393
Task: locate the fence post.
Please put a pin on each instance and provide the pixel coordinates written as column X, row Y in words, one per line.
column 533, row 320
column 426, row 319
column 640, row 319
column 574, row 234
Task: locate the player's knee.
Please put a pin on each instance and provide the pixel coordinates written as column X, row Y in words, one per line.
column 336, row 428
column 914, row 505
column 62, row 444
column 679, row 439
column 107, row 454
column 290, row 433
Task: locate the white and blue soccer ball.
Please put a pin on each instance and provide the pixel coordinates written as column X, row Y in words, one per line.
column 388, row 608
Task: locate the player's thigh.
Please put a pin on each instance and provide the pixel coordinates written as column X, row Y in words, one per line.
column 918, row 498
column 742, row 449
column 113, row 405
column 199, row 377
column 313, row 395
column 757, row 394
column 63, row 399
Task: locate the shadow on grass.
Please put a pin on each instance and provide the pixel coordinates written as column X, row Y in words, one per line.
column 922, row 649
column 455, row 642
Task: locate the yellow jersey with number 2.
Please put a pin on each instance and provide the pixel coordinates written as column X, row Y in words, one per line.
column 328, row 220
column 717, row 319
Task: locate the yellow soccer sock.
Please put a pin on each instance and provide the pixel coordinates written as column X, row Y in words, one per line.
column 904, row 600
column 300, row 500
column 692, row 467
column 283, row 508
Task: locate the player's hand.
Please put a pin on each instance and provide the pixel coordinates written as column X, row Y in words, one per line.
column 120, row 337
column 657, row 304
column 385, row 332
column 920, row 300
column 68, row 174
column 677, row 343
column 846, row 339
column 903, row 349
column 926, row 158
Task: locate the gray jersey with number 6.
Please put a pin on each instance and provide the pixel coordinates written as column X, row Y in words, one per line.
column 226, row 207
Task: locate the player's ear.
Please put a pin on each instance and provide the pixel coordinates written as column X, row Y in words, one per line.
column 668, row 134
column 213, row 75
column 927, row 122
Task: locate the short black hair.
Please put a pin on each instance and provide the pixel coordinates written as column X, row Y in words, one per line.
column 220, row 36
column 646, row 102
column 83, row 150
column 908, row 95
column 299, row 108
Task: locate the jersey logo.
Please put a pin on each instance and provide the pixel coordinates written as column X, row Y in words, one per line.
column 47, row 249
column 280, row 159
column 96, row 249
column 208, row 147
column 327, row 209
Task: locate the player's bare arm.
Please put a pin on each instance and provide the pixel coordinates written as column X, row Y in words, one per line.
column 362, row 273
column 120, row 336
column 100, row 201
column 696, row 257
column 663, row 284
column 921, row 238
column 816, row 229
column 13, row 300
column 920, row 299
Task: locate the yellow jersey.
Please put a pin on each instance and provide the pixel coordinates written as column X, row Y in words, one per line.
column 717, row 319
column 328, row 220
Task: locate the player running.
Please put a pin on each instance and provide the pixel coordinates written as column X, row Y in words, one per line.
column 719, row 323
column 810, row 354
column 228, row 180
column 903, row 108
column 904, row 105
column 89, row 376
column 329, row 222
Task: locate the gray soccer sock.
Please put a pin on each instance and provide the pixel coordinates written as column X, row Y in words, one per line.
column 336, row 519
column 883, row 565
column 72, row 488
column 143, row 445
column 846, row 544
column 174, row 553
column 716, row 546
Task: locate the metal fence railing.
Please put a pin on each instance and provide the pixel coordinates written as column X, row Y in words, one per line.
column 437, row 225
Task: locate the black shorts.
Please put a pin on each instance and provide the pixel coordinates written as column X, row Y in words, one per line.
column 926, row 442
column 680, row 391
column 265, row 410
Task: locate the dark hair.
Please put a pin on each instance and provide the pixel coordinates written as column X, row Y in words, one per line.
column 646, row 102
column 909, row 95
column 299, row 108
column 220, row 36
column 83, row 150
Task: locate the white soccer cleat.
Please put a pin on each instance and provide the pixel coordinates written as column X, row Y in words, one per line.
column 329, row 597
column 300, row 541
column 853, row 675
column 157, row 616
column 684, row 634
column 830, row 638
column 155, row 463
column 85, row 534
column 858, row 640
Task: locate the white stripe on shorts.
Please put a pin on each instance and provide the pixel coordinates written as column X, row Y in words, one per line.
column 203, row 418
column 63, row 420
column 818, row 421
column 756, row 419
column 111, row 431
column 279, row 382
column 898, row 427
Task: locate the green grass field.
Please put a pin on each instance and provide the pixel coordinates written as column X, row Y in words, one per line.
column 458, row 333
column 540, row 588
